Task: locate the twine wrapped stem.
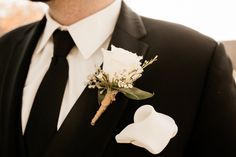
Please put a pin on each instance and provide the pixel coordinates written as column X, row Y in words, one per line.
column 108, row 99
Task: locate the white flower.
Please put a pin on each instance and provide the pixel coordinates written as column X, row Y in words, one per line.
column 118, row 61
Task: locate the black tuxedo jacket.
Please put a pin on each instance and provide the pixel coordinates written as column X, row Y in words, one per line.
column 192, row 81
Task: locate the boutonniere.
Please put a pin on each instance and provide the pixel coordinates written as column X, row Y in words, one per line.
column 120, row 70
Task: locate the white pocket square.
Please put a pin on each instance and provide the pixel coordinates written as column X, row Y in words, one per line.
column 151, row 130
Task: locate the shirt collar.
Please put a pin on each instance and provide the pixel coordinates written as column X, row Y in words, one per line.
column 89, row 33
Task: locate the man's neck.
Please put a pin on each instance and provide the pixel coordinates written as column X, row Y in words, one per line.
column 67, row 12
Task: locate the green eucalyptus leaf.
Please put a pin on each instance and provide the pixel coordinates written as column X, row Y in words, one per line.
column 135, row 93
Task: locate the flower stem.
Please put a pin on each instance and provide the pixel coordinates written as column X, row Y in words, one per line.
column 108, row 99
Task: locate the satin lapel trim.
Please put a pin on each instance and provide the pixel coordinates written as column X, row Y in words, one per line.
column 76, row 136
column 14, row 81
column 129, row 31
column 125, row 41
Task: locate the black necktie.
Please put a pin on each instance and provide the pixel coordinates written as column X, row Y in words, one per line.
column 42, row 122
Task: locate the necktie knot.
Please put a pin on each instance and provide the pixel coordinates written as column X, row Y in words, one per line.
column 63, row 43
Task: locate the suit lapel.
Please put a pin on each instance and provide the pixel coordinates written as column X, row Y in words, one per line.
column 13, row 87
column 76, row 136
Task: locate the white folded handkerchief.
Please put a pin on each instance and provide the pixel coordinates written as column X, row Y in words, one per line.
column 151, row 130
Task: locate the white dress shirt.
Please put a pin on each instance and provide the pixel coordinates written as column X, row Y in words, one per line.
column 90, row 35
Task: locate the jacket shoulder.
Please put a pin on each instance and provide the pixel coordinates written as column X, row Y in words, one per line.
column 172, row 39
column 174, row 33
column 16, row 34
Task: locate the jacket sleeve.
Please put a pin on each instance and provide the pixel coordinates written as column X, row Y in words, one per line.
column 215, row 130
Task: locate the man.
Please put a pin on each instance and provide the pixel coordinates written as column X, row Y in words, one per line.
column 192, row 80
